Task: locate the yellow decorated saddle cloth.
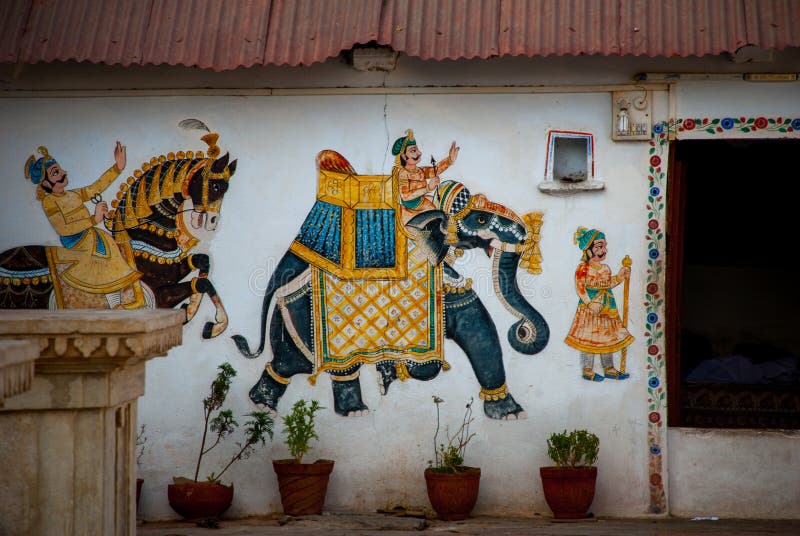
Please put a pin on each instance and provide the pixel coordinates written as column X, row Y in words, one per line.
column 367, row 321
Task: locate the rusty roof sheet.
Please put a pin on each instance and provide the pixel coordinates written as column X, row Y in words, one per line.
column 440, row 29
column 302, row 32
column 226, row 35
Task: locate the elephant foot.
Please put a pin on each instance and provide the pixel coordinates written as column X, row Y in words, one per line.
column 504, row 409
column 267, row 392
column 388, row 374
column 347, row 398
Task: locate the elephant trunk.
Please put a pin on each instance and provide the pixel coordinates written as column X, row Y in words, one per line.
column 531, row 333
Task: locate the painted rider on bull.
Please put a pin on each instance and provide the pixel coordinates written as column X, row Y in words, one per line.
column 97, row 264
column 417, row 184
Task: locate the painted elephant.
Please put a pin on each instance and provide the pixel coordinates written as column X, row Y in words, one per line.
column 465, row 222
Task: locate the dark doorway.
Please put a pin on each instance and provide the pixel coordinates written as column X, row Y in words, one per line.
column 733, row 346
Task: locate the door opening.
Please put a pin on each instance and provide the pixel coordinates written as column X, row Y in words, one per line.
column 733, row 306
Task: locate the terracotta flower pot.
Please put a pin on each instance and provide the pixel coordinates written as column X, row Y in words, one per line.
column 569, row 492
column 453, row 495
column 302, row 485
column 200, row 499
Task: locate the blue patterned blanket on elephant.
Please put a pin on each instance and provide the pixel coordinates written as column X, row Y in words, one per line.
column 368, row 321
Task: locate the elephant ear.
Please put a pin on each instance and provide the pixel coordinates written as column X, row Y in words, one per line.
column 428, row 228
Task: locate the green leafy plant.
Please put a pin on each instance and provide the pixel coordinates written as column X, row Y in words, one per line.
column 449, row 458
column 223, row 424
column 574, row 449
column 299, row 428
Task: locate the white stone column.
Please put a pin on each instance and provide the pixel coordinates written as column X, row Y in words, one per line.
column 68, row 444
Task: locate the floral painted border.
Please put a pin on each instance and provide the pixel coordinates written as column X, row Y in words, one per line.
column 656, row 275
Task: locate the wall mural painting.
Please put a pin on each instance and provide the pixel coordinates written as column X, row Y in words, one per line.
column 371, row 279
column 145, row 251
column 597, row 328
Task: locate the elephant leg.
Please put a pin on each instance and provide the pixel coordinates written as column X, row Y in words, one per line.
column 418, row 371
column 347, row 396
column 470, row 326
column 288, row 359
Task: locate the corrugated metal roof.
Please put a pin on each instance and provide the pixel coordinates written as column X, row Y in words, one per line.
column 441, row 29
column 226, row 35
column 545, row 27
column 13, row 18
column 302, row 32
column 773, row 24
column 210, row 34
column 111, row 31
column 682, row 27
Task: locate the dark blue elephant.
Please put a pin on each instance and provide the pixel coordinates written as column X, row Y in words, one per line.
column 469, row 222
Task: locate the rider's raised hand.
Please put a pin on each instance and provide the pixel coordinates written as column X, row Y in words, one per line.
column 119, row 156
column 454, row 152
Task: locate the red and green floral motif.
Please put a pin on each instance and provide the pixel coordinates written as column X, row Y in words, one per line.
column 736, row 124
column 654, row 309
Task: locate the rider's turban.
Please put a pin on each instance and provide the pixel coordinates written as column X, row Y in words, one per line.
column 36, row 169
column 584, row 237
column 400, row 144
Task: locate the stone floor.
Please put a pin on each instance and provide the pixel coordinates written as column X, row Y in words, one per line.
column 384, row 525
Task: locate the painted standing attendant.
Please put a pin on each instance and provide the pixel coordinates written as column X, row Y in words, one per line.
column 597, row 328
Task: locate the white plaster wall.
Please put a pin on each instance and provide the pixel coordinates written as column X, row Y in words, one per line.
column 734, row 473
column 380, row 458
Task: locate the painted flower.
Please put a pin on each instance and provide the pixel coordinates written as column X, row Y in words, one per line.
column 652, row 349
column 796, row 123
column 655, row 191
column 653, row 253
column 727, row 123
column 760, row 123
column 653, row 382
column 654, row 417
column 652, row 318
column 655, row 160
column 658, row 128
column 655, row 450
column 689, row 124
column 652, row 288
column 653, row 224
column 655, row 479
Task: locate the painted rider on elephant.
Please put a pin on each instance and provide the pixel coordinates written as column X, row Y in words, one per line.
column 96, row 264
column 417, row 184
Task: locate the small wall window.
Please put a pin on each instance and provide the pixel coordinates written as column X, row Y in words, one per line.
column 570, row 162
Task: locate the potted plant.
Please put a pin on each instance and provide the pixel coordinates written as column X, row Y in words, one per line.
column 193, row 499
column 569, row 486
column 452, row 486
column 302, row 485
column 141, row 441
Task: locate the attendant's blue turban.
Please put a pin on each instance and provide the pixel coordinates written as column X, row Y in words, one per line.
column 584, row 237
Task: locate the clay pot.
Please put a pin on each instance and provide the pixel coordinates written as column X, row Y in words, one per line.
column 569, row 491
column 453, row 495
column 200, row 499
column 302, row 485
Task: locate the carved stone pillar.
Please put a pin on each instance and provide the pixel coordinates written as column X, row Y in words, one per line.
column 68, row 444
column 16, row 367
